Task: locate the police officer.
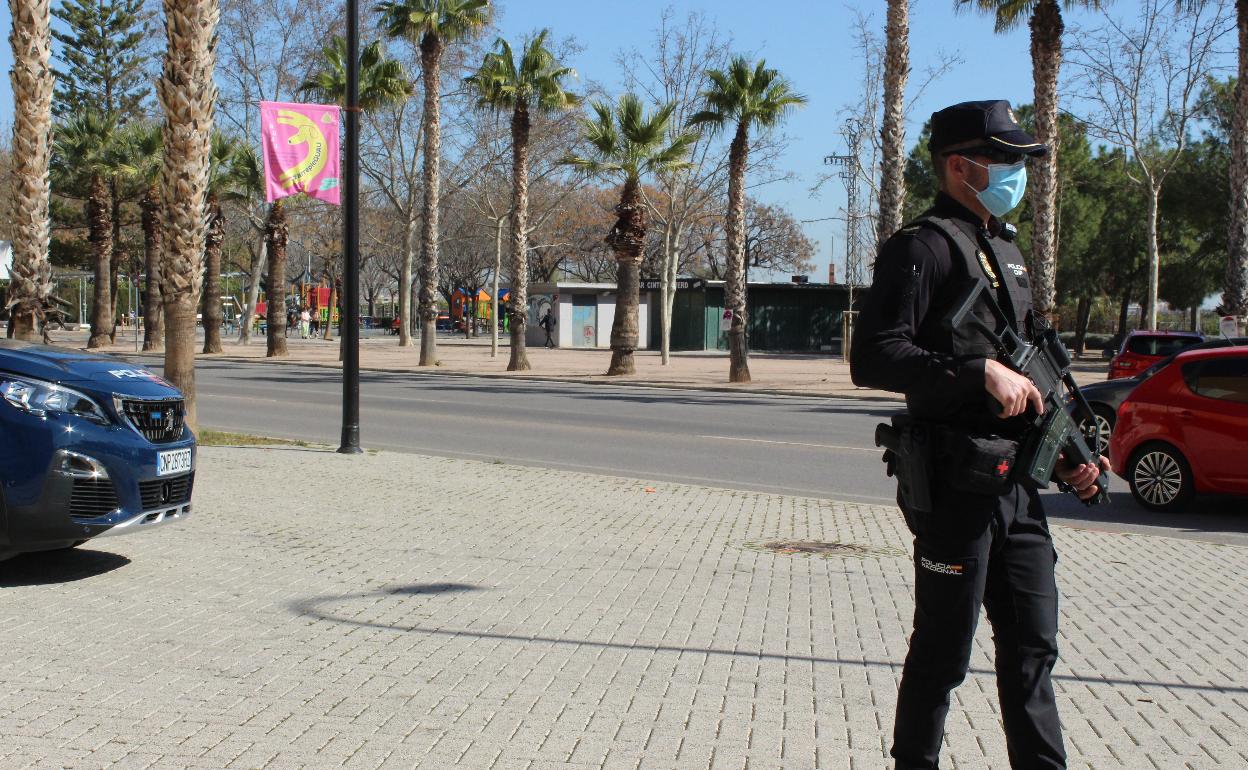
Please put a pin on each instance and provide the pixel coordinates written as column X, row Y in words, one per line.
column 972, row 548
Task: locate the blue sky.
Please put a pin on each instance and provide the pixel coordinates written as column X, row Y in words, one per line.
column 810, row 42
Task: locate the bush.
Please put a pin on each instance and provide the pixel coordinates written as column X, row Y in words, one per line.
column 1090, row 341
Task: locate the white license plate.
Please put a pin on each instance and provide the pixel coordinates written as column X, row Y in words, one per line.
column 173, row 461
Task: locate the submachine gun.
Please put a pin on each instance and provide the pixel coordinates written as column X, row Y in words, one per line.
column 1047, row 364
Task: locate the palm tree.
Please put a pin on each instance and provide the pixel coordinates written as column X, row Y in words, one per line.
column 87, row 155
column 382, row 81
column 144, row 147
column 744, row 96
column 276, row 233
column 627, row 144
column 535, row 85
column 187, row 95
column 223, row 177
column 247, row 184
column 1045, row 19
column 893, row 130
column 31, row 281
column 432, row 25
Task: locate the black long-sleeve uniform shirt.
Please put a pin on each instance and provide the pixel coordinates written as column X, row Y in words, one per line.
column 899, row 344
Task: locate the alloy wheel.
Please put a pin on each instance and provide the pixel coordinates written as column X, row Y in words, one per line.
column 1158, row 477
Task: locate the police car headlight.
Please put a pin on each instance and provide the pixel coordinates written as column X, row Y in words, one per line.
column 42, row 398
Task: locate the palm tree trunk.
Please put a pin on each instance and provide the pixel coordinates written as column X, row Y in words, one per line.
column 275, row 234
column 627, row 239
column 99, row 234
column 153, row 318
column 187, row 94
column 431, row 73
column 734, row 279
column 119, row 254
column 31, row 280
column 411, row 243
column 212, row 276
column 519, row 361
column 1235, row 293
column 1046, row 61
column 893, row 129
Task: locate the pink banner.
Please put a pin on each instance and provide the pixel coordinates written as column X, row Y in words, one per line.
column 300, row 144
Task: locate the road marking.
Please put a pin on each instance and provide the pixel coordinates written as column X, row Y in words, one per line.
column 793, row 443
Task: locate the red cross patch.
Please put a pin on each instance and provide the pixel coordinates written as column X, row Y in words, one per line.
column 1003, row 468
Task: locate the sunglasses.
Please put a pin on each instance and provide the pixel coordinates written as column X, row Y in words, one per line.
column 992, row 154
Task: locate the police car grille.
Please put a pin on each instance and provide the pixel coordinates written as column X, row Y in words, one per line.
column 171, row 491
column 159, row 421
column 92, row 498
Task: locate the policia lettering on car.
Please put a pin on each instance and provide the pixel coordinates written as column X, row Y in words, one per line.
column 980, row 533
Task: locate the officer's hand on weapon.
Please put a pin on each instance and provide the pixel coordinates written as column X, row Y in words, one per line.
column 1082, row 477
column 1011, row 389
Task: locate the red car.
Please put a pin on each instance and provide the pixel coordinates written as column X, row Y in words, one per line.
column 1142, row 349
column 1184, row 430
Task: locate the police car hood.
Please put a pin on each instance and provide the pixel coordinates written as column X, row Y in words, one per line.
column 88, row 371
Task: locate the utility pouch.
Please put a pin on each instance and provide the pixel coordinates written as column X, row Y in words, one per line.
column 981, row 465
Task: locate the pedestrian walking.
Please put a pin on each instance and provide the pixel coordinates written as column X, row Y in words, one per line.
column 292, row 318
column 979, row 538
column 548, row 324
column 305, row 323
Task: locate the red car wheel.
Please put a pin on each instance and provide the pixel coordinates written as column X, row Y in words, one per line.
column 1160, row 478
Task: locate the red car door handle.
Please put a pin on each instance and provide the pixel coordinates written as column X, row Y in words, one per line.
column 1185, row 414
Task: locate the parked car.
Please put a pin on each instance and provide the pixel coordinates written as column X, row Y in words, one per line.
column 1142, row 349
column 1105, row 397
column 89, row 446
column 1184, row 430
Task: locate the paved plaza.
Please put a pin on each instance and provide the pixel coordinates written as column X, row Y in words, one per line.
column 394, row 610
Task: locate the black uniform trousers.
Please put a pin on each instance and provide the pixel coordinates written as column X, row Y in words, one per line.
column 996, row 552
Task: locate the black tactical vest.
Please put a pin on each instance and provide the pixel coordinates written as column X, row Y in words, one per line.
column 1011, row 283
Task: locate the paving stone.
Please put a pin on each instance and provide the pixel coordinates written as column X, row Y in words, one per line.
column 397, row 611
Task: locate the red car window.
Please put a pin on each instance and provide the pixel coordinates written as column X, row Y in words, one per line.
column 1147, row 345
column 1225, row 379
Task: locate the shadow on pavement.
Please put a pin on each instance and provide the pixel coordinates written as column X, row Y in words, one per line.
column 312, row 607
column 53, row 567
column 1205, row 515
column 640, row 393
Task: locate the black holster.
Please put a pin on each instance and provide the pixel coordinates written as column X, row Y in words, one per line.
column 910, row 451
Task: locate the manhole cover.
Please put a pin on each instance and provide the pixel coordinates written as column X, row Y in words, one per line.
column 818, row 548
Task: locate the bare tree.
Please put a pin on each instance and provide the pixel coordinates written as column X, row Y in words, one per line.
column 1138, row 85
column 868, row 115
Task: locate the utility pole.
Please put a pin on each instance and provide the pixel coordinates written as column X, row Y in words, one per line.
column 849, row 165
column 350, row 330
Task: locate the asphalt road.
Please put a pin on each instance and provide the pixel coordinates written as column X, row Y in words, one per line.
column 803, row 446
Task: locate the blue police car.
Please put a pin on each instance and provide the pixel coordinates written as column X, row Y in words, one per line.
column 89, row 446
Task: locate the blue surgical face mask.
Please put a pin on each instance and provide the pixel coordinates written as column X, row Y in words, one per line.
column 1006, row 184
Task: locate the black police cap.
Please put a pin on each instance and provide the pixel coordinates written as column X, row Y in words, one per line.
column 991, row 122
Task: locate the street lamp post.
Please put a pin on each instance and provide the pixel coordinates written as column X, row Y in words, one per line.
column 351, row 244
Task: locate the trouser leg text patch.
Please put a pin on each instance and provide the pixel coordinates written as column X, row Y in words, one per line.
column 940, row 567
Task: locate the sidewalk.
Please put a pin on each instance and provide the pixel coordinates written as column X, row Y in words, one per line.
column 399, row 611
column 785, row 374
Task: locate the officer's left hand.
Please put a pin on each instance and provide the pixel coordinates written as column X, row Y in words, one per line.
column 1082, row 477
